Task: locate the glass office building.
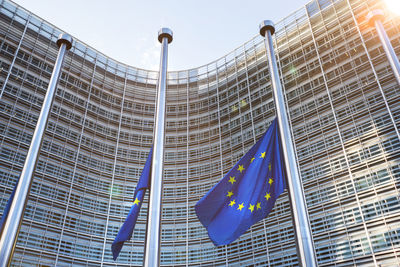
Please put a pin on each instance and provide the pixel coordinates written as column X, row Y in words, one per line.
column 335, row 77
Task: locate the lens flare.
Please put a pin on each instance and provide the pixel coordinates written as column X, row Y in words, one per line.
column 394, row 6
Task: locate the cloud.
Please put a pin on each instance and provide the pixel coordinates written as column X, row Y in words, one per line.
column 150, row 56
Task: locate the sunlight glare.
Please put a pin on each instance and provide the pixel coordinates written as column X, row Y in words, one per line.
column 394, row 6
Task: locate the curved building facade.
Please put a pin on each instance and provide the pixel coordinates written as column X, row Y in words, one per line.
column 100, row 131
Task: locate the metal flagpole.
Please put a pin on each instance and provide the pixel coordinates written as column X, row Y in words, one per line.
column 153, row 231
column 305, row 245
column 375, row 18
column 14, row 218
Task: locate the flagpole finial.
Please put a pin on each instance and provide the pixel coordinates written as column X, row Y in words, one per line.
column 165, row 32
column 373, row 15
column 266, row 25
column 64, row 38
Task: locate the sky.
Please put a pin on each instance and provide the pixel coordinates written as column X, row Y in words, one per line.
column 126, row 30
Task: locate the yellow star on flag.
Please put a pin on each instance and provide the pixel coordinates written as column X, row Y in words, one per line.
column 136, row 202
column 240, row 206
column 233, row 202
column 232, row 179
column 240, row 168
column 252, row 159
column 258, row 205
column 267, row 196
column 251, row 208
column 270, row 181
column 263, row 155
column 230, row 193
column 269, row 166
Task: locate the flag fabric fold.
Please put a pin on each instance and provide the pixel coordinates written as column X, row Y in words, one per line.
column 126, row 230
column 248, row 191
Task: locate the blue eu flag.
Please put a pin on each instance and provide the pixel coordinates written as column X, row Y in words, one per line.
column 7, row 208
column 247, row 193
column 125, row 233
